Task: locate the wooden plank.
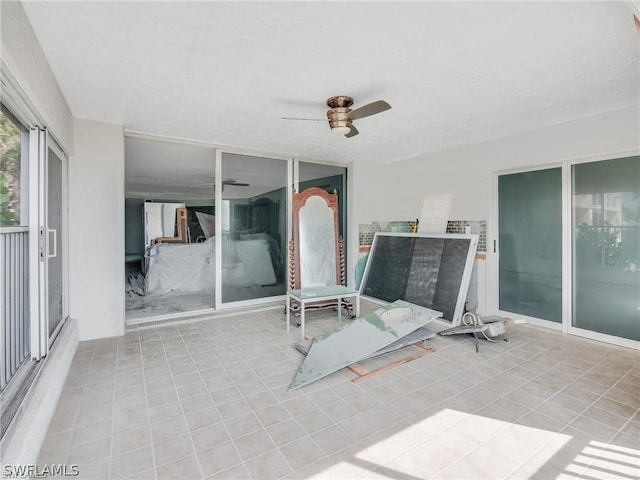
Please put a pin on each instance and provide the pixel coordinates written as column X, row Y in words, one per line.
column 358, row 369
column 364, row 373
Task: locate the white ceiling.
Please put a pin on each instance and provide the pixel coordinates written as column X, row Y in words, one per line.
column 225, row 72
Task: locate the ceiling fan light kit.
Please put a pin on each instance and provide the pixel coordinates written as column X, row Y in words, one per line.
column 341, row 117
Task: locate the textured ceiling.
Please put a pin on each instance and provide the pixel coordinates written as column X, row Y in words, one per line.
column 456, row 73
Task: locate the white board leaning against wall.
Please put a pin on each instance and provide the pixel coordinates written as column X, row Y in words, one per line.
column 435, row 213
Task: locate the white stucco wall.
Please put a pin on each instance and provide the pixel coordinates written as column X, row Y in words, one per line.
column 26, row 64
column 395, row 191
column 96, row 229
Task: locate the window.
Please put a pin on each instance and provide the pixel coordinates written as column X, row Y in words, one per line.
column 12, row 174
column 14, row 246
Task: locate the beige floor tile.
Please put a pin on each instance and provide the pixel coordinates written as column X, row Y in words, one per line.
column 131, row 421
column 270, row 465
column 90, row 452
column 607, row 417
column 94, row 471
column 203, row 418
column 172, row 449
column 254, row 444
column 272, row 414
column 130, row 440
column 243, row 425
column 57, row 444
column 239, row 472
column 210, row 436
column 132, row 463
column 314, row 421
column 165, row 411
column 191, row 390
column 331, row 439
column 225, row 395
column 197, row 403
column 186, row 468
column 406, row 423
column 173, row 427
column 218, row 458
column 299, row 406
column 285, row 432
column 233, row 409
column 302, row 452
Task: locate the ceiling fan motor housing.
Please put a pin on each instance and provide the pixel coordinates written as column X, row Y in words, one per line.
column 339, row 117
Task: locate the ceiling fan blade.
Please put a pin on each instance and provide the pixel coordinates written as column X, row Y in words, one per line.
column 369, row 109
column 309, row 119
column 231, row 181
column 354, row 131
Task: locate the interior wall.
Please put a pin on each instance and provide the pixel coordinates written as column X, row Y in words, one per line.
column 467, row 172
column 96, row 229
column 22, row 55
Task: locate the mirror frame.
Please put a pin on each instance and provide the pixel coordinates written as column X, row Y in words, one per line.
column 299, row 201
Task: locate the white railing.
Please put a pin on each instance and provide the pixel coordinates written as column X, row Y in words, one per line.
column 14, row 301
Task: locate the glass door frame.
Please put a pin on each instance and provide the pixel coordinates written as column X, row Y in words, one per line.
column 40, row 141
column 567, row 251
column 494, row 251
column 220, row 305
column 62, row 238
column 292, row 182
column 568, row 232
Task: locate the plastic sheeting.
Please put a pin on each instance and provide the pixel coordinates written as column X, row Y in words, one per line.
column 183, row 267
column 190, row 267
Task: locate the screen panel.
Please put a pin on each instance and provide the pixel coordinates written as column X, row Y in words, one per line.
column 452, row 264
column 432, row 271
column 386, row 272
column 423, row 274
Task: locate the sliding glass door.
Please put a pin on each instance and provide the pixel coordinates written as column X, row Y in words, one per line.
column 55, row 240
column 589, row 281
column 254, row 227
column 530, row 239
column 606, row 247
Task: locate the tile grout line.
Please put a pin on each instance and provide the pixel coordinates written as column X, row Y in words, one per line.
column 212, row 402
column 77, row 413
column 146, row 397
column 277, row 447
column 113, row 408
column 193, row 446
column 235, row 385
column 577, row 416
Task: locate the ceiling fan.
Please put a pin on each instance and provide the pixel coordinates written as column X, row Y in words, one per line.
column 226, row 182
column 234, row 182
column 341, row 116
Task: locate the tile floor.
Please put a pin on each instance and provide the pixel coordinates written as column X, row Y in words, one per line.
column 209, row 400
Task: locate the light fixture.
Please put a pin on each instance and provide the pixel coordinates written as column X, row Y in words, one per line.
column 340, row 130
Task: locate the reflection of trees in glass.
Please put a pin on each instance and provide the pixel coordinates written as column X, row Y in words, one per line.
column 9, row 172
column 598, row 245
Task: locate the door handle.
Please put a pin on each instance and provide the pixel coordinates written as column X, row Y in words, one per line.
column 55, row 243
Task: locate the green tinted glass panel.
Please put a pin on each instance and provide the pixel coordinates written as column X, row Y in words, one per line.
column 254, row 227
column 530, row 236
column 606, row 240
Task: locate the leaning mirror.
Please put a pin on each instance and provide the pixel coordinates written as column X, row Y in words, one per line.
column 316, row 256
column 317, row 242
